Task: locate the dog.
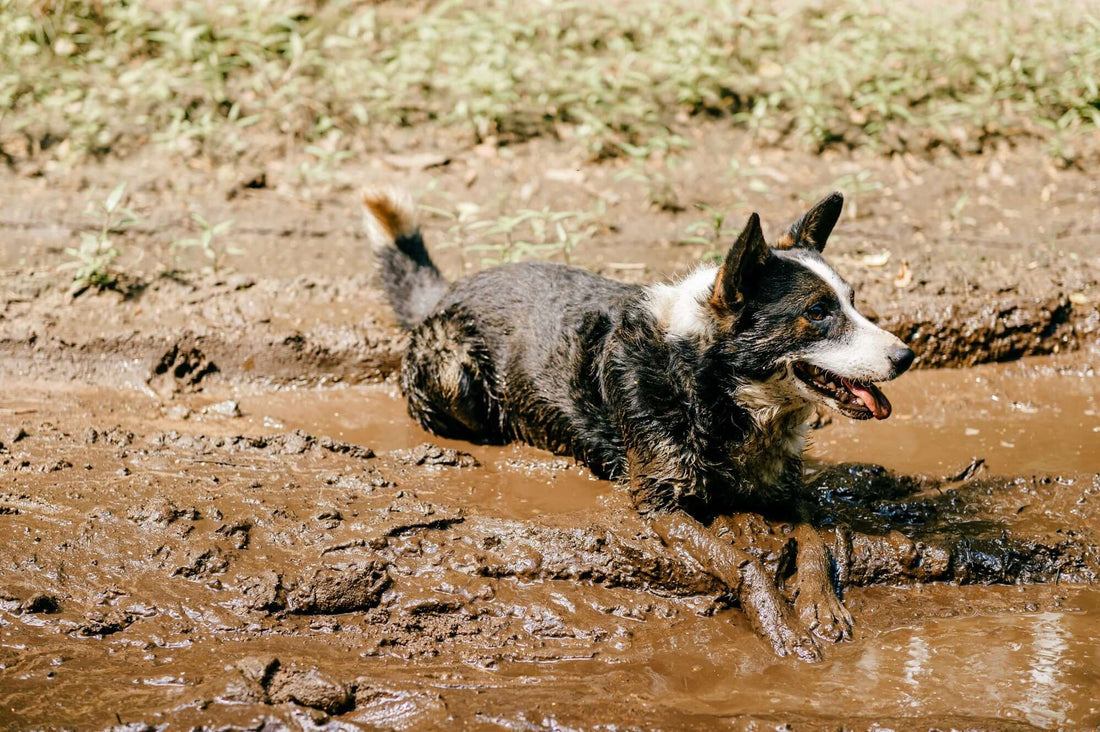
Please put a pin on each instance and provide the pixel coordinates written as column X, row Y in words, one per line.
column 695, row 393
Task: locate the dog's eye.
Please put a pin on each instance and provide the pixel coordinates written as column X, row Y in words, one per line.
column 817, row 312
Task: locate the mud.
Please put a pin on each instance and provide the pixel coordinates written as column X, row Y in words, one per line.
column 214, row 512
column 302, row 564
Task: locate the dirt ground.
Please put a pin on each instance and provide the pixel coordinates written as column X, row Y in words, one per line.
column 214, row 512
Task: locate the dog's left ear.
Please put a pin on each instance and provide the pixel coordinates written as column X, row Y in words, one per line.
column 744, row 257
column 813, row 229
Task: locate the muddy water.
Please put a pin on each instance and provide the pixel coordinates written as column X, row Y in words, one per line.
column 513, row 481
column 184, row 552
column 1043, row 670
column 1036, row 415
column 1033, row 415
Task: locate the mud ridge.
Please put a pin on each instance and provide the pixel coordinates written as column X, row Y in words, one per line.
column 231, row 346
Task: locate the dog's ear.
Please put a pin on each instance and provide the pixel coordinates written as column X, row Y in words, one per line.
column 813, row 229
column 747, row 254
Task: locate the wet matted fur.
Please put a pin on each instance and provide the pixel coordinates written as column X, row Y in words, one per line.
column 695, row 393
column 686, row 389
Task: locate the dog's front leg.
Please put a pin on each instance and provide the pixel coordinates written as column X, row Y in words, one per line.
column 816, row 585
column 818, row 602
column 746, row 577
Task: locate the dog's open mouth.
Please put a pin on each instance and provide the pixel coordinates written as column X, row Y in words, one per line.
column 855, row 399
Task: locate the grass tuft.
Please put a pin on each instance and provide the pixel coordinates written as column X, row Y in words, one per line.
column 93, row 261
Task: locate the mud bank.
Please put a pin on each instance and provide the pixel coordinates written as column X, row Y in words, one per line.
column 313, row 331
column 288, row 562
column 976, row 259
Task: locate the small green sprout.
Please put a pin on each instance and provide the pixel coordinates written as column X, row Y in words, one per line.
column 214, row 250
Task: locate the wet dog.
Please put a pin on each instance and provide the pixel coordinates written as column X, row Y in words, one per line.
column 694, row 393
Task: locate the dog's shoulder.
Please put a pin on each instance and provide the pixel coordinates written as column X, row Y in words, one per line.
column 692, row 442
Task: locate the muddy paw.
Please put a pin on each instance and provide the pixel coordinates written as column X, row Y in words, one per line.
column 824, row 614
column 792, row 639
column 788, row 636
column 772, row 617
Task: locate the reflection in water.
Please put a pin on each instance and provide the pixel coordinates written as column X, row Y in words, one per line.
column 1046, row 692
column 868, row 677
column 916, row 668
column 1005, row 664
column 1040, row 668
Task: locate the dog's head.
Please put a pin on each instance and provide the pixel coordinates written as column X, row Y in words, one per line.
column 786, row 324
column 789, row 322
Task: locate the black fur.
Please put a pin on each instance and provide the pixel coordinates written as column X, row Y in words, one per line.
column 578, row 364
column 813, row 228
column 411, row 280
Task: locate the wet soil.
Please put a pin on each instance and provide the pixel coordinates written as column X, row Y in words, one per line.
column 972, row 260
column 308, row 556
column 214, row 511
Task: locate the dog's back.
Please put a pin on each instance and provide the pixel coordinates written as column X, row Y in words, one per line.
column 507, row 353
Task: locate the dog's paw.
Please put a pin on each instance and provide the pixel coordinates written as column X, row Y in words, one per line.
column 787, row 634
column 772, row 617
column 823, row 613
column 792, row 639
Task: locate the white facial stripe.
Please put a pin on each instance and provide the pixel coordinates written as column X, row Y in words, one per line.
column 864, row 352
column 681, row 308
column 841, row 288
column 864, row 355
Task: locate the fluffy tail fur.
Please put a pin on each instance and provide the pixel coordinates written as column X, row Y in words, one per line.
column 412, row 283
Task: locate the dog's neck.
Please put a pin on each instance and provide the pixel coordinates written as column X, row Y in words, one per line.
column 680, row 308
column 773, row 448
column 766, row 456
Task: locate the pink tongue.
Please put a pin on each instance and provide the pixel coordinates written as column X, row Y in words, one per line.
column 871, row 396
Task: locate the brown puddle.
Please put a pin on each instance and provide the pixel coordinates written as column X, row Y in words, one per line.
column 1041, row 668
column 514, row 481
column 1036, row 415
column 1029, row 416
column 186, row 549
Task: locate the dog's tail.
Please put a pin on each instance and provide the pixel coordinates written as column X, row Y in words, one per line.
column 411, row 280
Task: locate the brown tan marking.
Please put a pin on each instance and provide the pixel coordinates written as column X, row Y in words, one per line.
column 381, row 208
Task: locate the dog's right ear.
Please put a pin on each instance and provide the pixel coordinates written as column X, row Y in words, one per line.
column 813, row 229
column 747, row 254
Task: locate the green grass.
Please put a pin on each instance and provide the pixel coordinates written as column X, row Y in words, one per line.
column 93, row 261
column 82, row 76
column 210, row 243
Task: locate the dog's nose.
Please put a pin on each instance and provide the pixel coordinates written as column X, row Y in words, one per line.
column 902, row 360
